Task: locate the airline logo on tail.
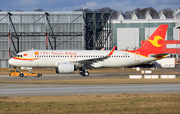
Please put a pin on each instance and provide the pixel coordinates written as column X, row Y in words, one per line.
column 155, row 41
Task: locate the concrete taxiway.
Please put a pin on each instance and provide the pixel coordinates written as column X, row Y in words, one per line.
column 62, row 77
column 12, row 90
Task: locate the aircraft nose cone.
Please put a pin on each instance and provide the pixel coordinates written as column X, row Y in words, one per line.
column 10, row 61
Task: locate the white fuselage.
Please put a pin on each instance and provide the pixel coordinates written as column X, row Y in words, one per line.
column 51, row 58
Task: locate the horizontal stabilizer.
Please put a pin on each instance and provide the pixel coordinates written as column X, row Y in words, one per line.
column 159, row 55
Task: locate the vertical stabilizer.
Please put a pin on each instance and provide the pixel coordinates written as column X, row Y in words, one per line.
column 155, row 41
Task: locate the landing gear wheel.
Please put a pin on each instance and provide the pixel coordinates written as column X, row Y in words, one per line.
column 86, row 73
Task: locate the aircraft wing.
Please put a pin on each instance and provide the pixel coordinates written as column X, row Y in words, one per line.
column 89, row 61
column 159, row 56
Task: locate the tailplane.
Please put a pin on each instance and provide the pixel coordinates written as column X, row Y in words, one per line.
column 155, row 41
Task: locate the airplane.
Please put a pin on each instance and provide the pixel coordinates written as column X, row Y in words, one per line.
column 67, row 61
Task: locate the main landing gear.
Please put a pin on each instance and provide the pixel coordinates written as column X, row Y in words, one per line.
column 84, row 72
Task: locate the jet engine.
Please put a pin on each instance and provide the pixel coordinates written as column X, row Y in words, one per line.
column 65, row 67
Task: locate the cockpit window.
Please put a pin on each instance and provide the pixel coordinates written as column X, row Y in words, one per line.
column 18, row 56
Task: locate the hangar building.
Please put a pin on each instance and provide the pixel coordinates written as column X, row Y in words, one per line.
column 63, row 30
column 129, row 31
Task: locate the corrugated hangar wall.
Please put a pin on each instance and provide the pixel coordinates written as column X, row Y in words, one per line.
column 21, row 31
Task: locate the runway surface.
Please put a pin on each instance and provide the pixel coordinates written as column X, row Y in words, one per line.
column 12, row 90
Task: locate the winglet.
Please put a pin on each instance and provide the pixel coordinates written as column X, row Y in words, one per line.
column 112, row 51
column 102, row 48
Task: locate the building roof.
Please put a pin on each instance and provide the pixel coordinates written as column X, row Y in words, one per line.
column 146, row 15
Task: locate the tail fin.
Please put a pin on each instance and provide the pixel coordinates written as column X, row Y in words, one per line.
column 155, row 41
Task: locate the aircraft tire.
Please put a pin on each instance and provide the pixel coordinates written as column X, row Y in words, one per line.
column 86, row 73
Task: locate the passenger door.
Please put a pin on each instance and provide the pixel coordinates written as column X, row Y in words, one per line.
column 30, row 56
column 137, row 56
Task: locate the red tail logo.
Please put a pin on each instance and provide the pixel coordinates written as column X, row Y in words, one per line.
column 155, row 41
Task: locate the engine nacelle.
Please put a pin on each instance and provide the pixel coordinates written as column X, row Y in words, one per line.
column 65, row 67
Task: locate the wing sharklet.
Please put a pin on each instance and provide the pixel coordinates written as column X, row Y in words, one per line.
column 112, row 51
